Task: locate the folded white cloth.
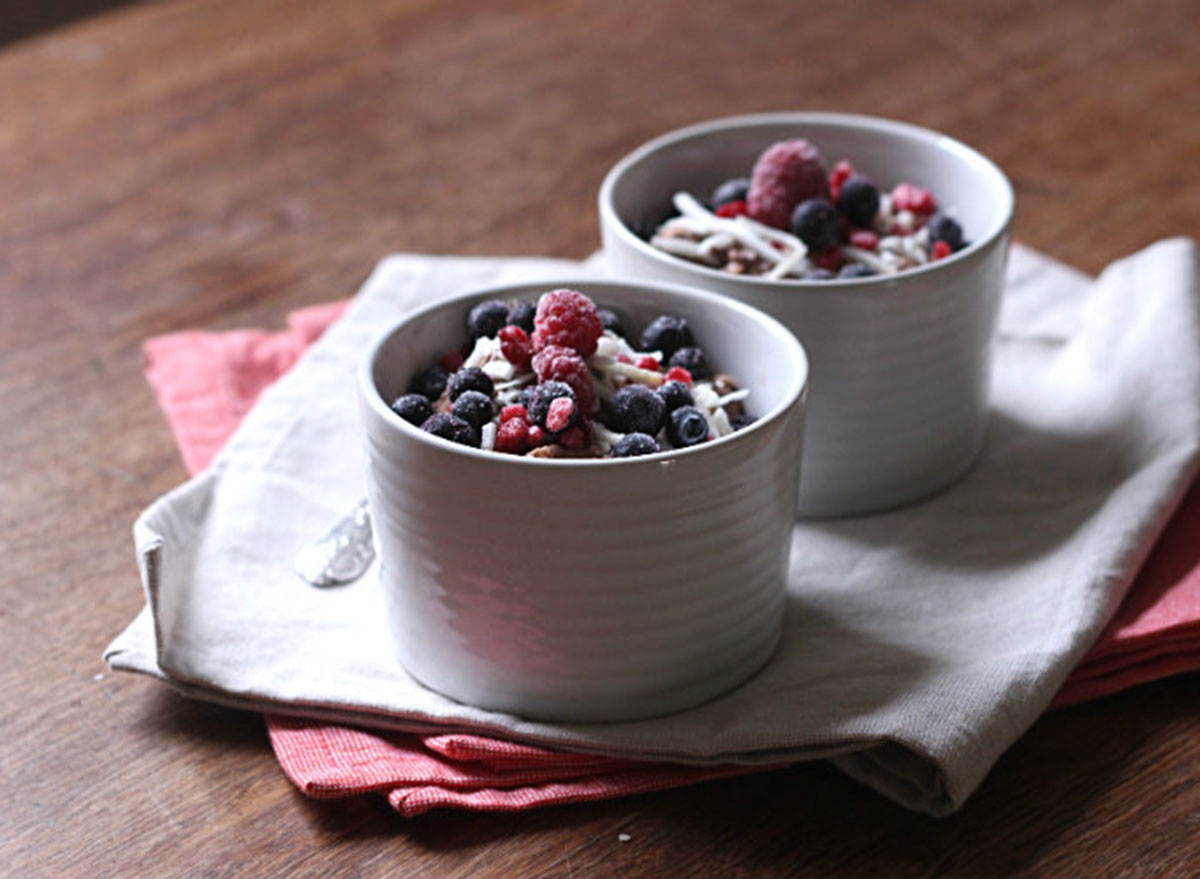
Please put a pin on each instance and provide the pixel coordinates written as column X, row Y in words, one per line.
column 919, row 644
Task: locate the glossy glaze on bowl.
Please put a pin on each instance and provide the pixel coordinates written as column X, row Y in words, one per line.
column 900, row 363
column 588, row 590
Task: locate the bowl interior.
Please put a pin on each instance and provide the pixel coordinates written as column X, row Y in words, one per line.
column 756, row 350
column 969, row 186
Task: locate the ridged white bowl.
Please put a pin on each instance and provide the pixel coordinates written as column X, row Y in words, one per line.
column 588, row 590
column 900, row 364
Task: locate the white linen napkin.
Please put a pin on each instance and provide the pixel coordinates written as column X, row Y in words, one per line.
column 919, row 644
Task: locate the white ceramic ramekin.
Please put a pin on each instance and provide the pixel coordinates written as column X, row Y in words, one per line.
column 588, row 590
column 901, row 363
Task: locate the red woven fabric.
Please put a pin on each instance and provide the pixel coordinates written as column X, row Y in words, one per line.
column 206, row 382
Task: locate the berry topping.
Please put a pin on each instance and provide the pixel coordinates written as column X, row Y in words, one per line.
column 521, row 315
column 633, row 444
column 678, row 374
column 941, row 250
column 567, row 318
column 516, row 410
column 535, row 436
column 731, row 190
column 636, row 409
column 732, row 209
column 906, row 197
column 864, row 239
column 687, row 426
column 474, row 408
column 512, row 436
column 675, row 394
column 558, row 364
column 451, row 427
column 841, row 172
column 855, row 270
column 944, row 228
column 830, row 260
column 786, row 174
column 611, row 321
column 693, row 360
column 469, row 378
column 858, row 201
column 516, row 346
column 666, row 333
column 429, row 383
column 542, row 411
column 577, row 436
column 815, row 222
column 413, row 408
column 648, row 361
column 486, row 318
column 452, row 360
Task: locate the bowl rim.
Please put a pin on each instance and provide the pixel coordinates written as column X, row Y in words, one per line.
column 609, row 218
column 703, row 301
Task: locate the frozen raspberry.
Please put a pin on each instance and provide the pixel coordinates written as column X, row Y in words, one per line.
column 786, row 174
column 512, row 436
column 515, row 346
column 732, row 209
column 941, row 250
column 841, row 172
column 536, row 436
column 864, row 239
column 647, row 361
column 560, row 414
column 560, row 364
column 576, row 437
column 830, row 260
column 567, row 318
column 678, row 374
column 906, row 197
column 517, row 411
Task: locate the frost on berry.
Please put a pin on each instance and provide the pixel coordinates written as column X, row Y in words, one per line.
column 567, row 318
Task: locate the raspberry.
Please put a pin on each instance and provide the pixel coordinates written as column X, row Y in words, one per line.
column 567, row 318
column 515, row 346
column 864, row 239
column 786, row 174
column 452, row 360
column 577, row 437
column 830, row 259
column 516, row 410
column 536, row 436
column 906, row 197
column 560, row 364
column 512, row 436
column 560, row 413
column 841, row 172
column 647, row 361
column 678, row 374
column 941, row 249
column 732, row 209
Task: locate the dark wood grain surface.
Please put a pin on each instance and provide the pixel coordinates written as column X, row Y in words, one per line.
column 216, row 163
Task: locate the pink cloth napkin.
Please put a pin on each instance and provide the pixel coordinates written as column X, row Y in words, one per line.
column 206, row 382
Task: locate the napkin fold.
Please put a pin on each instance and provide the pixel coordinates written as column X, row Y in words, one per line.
column 919, row 644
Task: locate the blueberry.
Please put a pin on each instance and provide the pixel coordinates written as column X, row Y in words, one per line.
column 474, row 408
column 693, row 360
column 633, row 444
column 413, row 408
column 486, row 318
column 667, row 334
column 745, row 419
column 429, row 383
column 451, row 427
column 856, row 270
column 539, row 398
column 469, row 378
column 611, row 321
column 858, row 201
column 521, row 315
column 818, row 274
column 944, row 228
column 687, row 426
column 731, row 190
column 815, row 222
column 636, row 409
column 675, row 394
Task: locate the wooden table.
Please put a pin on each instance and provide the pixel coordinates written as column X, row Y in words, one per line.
column 217, row 163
